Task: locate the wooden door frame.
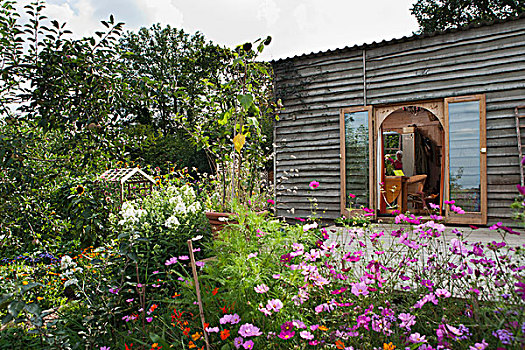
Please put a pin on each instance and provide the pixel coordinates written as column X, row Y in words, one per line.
column 436, row 107
column 342, row 155
column 479, row 217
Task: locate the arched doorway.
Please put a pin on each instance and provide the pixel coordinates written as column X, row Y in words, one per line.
column 411, row 142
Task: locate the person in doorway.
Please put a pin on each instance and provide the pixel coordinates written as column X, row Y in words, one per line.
column 398, row 163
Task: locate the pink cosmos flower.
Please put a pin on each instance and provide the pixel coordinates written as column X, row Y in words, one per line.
column 212, row 329
column 417, row 338
column 225, row 319
column 271, row 201
column 443, row 293
column 479, row 346
column 450, row 202
column 184, row 257
column 248, row 344
column 252, row 255
column 433, row 206
column 171, row 261
column 306, row 335
column 351, row 195
column 249, row 330
column 360, row 289
column 261, row 288
column 314, row 184
column 274, row 305
column 276, row 276
column 149, row 319
column 407, row 320
column 237, row 342
column 457, row 209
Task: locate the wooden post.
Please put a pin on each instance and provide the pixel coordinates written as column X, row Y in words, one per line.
column 198, row 290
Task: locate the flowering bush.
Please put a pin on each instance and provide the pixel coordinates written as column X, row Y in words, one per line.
column 363, row 288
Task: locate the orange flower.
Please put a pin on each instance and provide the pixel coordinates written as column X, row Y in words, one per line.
column 186, row 331
column 156, row 346
column 153, row 307
column 206, row 325
column 191, row 345
column 225, row 334
column 215, row 291
column 339, row 344
column 322, row 328
column 196, row 336
column 388, row 346
column 176, row 295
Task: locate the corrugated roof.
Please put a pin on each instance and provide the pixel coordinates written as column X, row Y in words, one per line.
column 403, row 39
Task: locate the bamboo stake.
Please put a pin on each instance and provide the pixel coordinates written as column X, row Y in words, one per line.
column 198, row 290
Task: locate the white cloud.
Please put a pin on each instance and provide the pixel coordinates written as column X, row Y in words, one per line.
column 269, row 12
column 79, row 16
column 161, row 11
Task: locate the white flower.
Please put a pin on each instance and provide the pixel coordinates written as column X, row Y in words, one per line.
column 172, row 222
column 66, row 262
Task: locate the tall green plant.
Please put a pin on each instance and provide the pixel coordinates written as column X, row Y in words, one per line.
column 233, row 125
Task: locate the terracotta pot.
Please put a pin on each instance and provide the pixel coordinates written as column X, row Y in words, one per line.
column 218, row 221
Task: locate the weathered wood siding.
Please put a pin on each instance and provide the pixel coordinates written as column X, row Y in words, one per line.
column 487, row 60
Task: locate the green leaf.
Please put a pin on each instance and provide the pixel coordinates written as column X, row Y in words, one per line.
column 29, row 286
column 7, row 318
column 15, row 308
column 4, row 299
column 33, row 309
column 246, row 101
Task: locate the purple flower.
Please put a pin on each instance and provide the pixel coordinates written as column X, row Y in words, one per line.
column 114, row 290
column 505, row 336
column 521, row 188
column 520, row 289
column 249, row 330
column 149, row 319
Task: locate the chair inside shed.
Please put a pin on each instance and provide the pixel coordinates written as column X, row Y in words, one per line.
column 412, row 170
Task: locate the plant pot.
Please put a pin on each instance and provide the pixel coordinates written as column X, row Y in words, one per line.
column 218, row 221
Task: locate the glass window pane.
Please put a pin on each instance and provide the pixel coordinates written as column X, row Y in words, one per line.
column 356, row 145
column 465, row 177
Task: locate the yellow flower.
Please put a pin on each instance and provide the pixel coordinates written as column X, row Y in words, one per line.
column 388, row 346
column 25, row 283
column 39, row 298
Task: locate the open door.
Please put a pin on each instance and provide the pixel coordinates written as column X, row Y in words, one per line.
column 466, row 159
column 357, row 159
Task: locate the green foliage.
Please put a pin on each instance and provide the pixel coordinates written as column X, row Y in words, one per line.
column 436, row 15
column 234, row 126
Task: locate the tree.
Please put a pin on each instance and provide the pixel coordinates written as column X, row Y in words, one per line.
column 435, row 15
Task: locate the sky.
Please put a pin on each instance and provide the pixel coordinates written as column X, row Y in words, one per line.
column 296, row 26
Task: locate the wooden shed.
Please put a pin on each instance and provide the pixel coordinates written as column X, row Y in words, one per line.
column 447, row 100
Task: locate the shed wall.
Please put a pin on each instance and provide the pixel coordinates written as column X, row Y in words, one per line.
column 485, row 60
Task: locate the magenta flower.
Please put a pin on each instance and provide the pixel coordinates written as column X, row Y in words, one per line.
column 149, row 319
column 314, row 184
column 271, row 201
column 286, row 334
column 479, row 346
column 521, row 189
column 520, row 289
column 114, row 290
column 184, row 257
column 261, row 288
column 457, row 209
column 252, row 255
column 248, row 344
